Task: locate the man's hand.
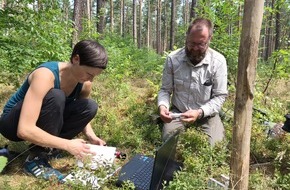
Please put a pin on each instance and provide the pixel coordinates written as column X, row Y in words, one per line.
column 190, row 116
column 164, row 114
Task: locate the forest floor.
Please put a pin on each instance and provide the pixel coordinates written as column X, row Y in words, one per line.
column 14, row 177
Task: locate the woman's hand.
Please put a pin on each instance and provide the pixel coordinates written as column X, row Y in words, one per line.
column 98, row 141
column 89, row 132
column 78, row 148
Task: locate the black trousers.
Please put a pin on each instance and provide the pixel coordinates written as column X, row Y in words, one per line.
column 57, row 117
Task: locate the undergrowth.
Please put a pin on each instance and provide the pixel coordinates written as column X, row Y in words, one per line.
column 126, row 95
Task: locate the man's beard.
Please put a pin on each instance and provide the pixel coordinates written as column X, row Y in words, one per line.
column 195, row 57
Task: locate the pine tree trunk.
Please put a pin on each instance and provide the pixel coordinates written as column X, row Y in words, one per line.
column 101, row 16
column 140, row 25
column 278, row 25
column 134, row 22
column 186, row 12
column 112, row 15
column 121, row 17
column 148, row 24
column 172, row 24
column 77, row 21
column 269, row 35
column 192, row 11
column 158, row 28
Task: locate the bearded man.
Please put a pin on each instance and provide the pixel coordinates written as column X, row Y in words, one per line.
column 194, row 85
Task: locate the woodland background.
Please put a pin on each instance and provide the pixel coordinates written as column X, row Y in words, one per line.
column 138, row 35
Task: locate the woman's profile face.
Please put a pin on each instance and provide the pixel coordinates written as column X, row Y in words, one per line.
column 86, row 73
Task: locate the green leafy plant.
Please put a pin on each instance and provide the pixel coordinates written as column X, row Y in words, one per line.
column 3, row 162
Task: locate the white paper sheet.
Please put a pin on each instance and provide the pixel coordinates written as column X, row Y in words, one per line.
column 104, row 156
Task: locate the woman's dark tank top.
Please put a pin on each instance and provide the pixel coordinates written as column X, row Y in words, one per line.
column 20, row 93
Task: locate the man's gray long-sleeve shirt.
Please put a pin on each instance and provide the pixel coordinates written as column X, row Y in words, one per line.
column 201, row 86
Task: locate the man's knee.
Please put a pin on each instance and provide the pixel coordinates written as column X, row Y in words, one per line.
column 170, row 129
column 216, row 130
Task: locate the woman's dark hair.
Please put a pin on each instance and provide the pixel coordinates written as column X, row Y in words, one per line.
column 91, row 54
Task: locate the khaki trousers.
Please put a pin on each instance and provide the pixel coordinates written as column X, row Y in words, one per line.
column 212, row 126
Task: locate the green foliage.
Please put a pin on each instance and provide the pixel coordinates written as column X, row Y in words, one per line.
column 125, row 60
column 277, row 66
column 199, row 158
column 29, row 38
column 3, row 162
column 226, row 31
column 126, row 93
column 258, row 180
column 282, row 181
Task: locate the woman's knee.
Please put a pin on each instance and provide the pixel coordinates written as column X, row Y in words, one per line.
column 92, row 108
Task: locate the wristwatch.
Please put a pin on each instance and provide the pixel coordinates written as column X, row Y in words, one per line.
column 200, row 113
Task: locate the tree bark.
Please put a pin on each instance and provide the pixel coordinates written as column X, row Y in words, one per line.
column 77, row 21
column 186, row 12
column 89, row 10
column 269, row 35
column 112, row 15
column 248, row 54
column 140, row 25
column 192, row 11
column 134, row 22
column 101, row 16
column 165, row 33
column 172, row 25
column 122, row 17
column 148, row 24
column 278, row 25
column 158, row 28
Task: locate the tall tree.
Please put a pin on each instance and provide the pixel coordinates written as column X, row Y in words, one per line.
column 192, row 10
column 278, row 25
column 140, row 24
column 158, row 27
column 165, row 21
column 89, row 10
column 248, row 54
column 185, row 12
column 101, row 15
column 269, row 34
column 112, row 15
column 148, row 23
column 122, row 12
column 134, row 22
column 172, row 24
column 77, row 18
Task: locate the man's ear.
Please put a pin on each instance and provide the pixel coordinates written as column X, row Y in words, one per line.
column 210, row 37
